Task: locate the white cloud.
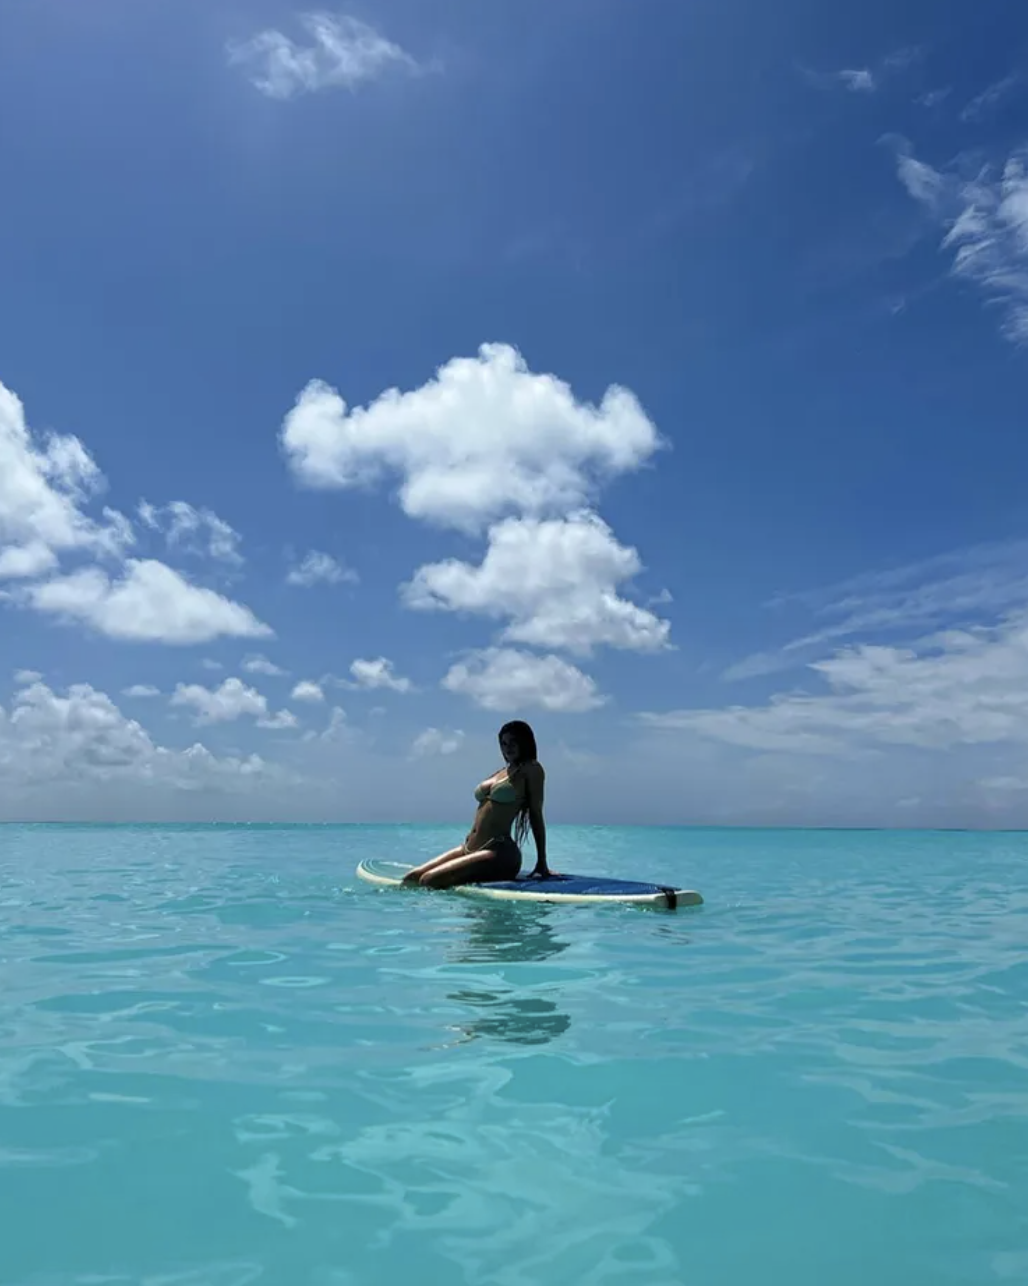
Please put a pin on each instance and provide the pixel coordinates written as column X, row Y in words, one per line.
column 436, row 741
column 83, row 739
column 84, row 731
column 24, row 677
column 26, row 561
column 378, row 673
column 282, row 719
column 950, row 689
column 70, row 467
column 485, row 438
column 344, row 53
column 556, row 579
column 141, row 690
column 261, row 665
column 337, row 729
column 306, row 690
column 232, row 700
column 506, row 679
column 336, row 724
column 197, row 531
column 985, row 217
column 197, row 766
column 208, row 664
column 151, row 603
column 42, row 486
column 317, row 568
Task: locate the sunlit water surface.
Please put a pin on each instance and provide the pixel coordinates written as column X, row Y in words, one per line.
column 224, row 1060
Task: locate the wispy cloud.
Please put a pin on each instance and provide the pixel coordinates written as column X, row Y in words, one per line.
column 985, row 217
column 318, row 568
column 989, row 99
column 860, row 81
column 194, row 530
column 714, row 183
column 857, row 80
column 342, row 52
column 958, row 588
column 336, row 730
column 958, row 688
column 868, row 79
column 935, row 97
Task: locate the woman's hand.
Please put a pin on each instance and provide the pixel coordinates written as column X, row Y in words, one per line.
column 542, row 873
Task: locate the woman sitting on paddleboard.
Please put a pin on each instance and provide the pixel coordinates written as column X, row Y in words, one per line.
column 510, row 798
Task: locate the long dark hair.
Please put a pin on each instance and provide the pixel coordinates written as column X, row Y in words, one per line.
column 527, row 754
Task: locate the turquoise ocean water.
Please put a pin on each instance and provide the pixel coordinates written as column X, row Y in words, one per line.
column 224, row 1061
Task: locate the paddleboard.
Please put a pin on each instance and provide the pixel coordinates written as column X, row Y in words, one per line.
column 559, row 888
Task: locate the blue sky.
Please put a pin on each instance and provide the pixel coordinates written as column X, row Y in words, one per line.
column 652, row 372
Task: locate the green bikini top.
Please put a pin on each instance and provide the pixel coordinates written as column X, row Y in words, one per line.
column 502, row 791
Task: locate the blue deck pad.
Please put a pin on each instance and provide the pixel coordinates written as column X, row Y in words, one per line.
column 576, row 885
column 558, row 888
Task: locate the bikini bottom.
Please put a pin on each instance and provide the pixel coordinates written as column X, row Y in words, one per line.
column 506, row 850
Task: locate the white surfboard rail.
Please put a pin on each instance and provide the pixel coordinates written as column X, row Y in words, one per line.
column 387, row 874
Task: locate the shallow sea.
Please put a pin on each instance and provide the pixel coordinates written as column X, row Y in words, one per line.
column 224, row 1060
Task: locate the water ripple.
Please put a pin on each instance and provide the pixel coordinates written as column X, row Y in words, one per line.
column 224, row 1062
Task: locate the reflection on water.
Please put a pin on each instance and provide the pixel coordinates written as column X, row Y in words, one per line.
column 496, row 934
column 516, row 1019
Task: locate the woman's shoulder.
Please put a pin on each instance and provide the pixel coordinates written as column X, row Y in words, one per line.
column 533, row 770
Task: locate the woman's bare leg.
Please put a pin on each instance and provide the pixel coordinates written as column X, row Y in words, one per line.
column 414, row 876
column 468, row 868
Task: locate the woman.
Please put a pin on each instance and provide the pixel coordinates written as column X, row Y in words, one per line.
column 512, row 797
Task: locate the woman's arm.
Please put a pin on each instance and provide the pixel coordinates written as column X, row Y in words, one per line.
column 535, row 788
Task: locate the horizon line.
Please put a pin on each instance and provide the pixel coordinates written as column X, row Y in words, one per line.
column 690, row 826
